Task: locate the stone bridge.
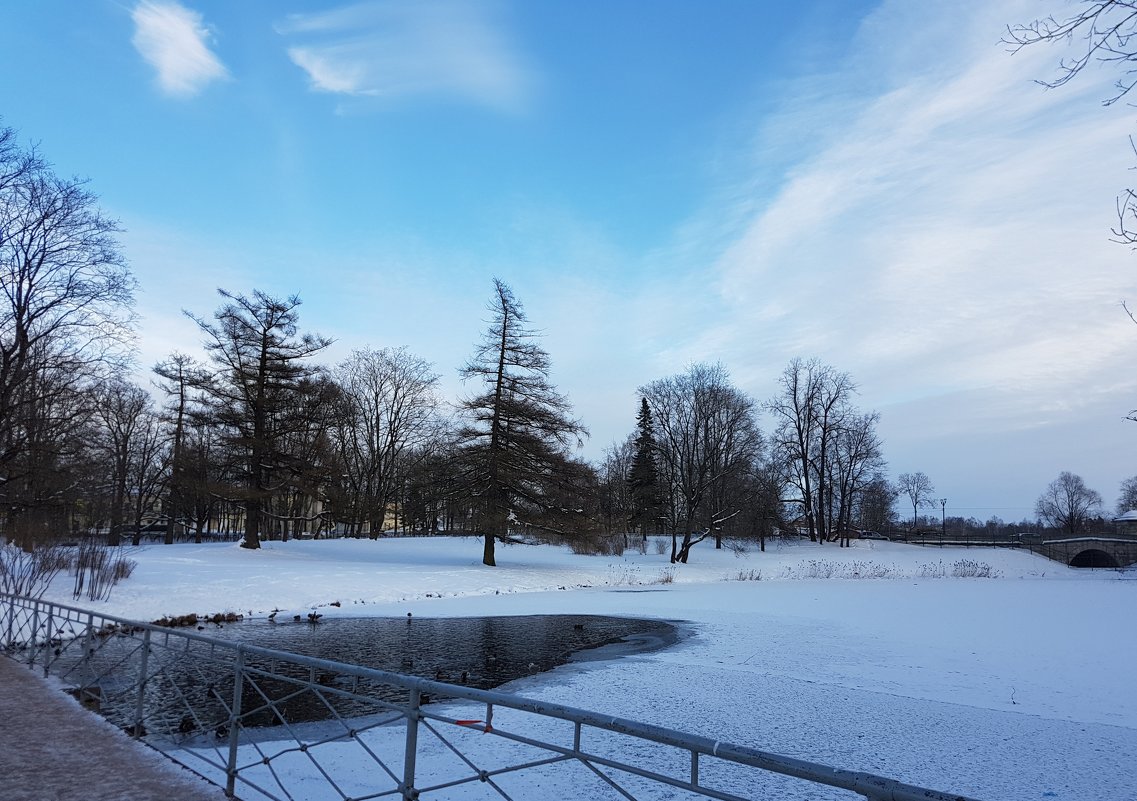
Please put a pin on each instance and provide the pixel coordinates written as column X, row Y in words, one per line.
column 1089, row 551
column 1100, row 550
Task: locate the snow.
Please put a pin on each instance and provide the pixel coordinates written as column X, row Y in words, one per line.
column 1013, row 687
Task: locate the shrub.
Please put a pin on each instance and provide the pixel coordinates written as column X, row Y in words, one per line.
column 595, row 544
column 31, row 572
column 98, row 568
column 661, row 545
column 123, row 568
column 738, row 547
column 749, row 575
column 966, row 568
column 619, row 575
column 823, row 568
column 936, row 570
column 666, row 576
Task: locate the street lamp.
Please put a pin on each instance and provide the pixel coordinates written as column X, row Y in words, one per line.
column 943, row 518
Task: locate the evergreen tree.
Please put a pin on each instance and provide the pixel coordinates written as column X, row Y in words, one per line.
column 519, row 430
column 643, row 477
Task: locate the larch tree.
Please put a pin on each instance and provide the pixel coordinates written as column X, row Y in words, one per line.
column 260, row 372
column 518, row 428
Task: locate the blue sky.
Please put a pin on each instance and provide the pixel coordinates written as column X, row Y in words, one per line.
column 879, row 185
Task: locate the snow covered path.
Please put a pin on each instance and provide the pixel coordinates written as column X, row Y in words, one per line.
column 1018, row 687
column 51, row 749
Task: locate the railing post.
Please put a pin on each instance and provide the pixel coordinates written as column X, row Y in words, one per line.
column 49, row 652
column 235, row 722
column 408, row 786
column 32, row 635
column 85, row 694
column 142, row 668
column 9, row 643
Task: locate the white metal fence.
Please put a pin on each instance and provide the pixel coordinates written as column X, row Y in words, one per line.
column 268, row 724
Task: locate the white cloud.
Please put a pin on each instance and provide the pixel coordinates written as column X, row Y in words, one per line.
column 175, row 41
column 396, row 48
column 952, row 235
column 929, row 219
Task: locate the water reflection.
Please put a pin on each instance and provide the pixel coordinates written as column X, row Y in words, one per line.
column 191, row 682
column 481, row 652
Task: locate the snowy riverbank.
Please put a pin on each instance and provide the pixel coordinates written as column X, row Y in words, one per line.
column 1015, row 687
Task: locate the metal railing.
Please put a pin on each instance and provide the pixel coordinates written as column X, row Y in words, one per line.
column 268, row 724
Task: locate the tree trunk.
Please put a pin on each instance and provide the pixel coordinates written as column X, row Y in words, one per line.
column 252, row 538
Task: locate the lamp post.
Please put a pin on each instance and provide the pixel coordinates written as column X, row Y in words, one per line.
column 943, row 518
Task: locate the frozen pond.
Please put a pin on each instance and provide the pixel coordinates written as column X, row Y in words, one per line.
column 480, row 652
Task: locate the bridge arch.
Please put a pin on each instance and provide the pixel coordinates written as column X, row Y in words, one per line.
column 1094, row 557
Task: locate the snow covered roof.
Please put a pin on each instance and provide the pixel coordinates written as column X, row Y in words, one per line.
column 1128, row 517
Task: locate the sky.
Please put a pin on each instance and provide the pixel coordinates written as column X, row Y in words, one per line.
column 881, row 186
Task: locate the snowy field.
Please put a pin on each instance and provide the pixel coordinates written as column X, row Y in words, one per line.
column 875, row 658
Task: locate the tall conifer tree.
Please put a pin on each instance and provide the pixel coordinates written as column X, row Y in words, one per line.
column 256, row 391
column 643, row 477
column 519, row 429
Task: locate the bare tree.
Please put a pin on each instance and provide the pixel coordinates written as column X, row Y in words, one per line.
column 873, row 508
column 387, row 414
column 180, row 375
column 708, row 437
column 201, row 476
column 121, row 408
column 1068, row 504
column 763, row 511
column 54, row 467
column 518, row 430
column 856, row 460
column 308, row 461
column 1127, row 498
column 259, row 357
column 616, row 499
column 810, row 414
column 147, row 471
column 1103, row 31
column 432, row 488
column 919, row 489
column 65, row 318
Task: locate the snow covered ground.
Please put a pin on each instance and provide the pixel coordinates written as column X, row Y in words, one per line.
column 870, row 658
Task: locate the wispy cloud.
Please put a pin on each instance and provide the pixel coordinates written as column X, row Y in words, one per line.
column 952, row 236
column 936, row 224
column 176, row 42
column 396, row 48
